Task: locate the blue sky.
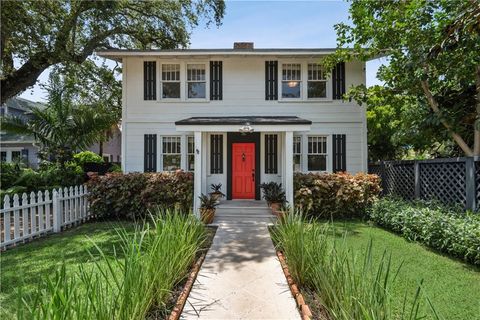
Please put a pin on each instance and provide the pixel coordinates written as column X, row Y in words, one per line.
column 269, row 24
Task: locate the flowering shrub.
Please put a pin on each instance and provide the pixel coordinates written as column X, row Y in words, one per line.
column 132, row 195
column 335, row 194
column 451, row 231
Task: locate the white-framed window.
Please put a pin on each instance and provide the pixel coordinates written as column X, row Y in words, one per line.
column 291, row 81
column 171, row 153
column 11, row 154
column 316, row 81
column 16, row 156
column 297, row 153
column 196, row 81
column 317, row 153
column 190, row 153
column 170, row 81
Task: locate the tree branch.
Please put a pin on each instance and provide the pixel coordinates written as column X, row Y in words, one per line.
column 476, row 125
column 434, row 106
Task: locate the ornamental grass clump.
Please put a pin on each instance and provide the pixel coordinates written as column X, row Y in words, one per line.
column 135, row 282
column 349, row 287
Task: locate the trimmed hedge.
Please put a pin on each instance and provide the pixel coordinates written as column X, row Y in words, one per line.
column 132, row 195
column 438, row 227
column 335, row 194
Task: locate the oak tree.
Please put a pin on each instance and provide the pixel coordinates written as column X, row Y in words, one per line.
column 37, row 34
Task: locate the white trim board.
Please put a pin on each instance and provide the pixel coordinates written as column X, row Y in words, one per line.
column 235, row 128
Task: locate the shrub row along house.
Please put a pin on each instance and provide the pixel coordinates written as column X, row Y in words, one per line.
column 240, row 116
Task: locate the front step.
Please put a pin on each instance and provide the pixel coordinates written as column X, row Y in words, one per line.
column 244, row 210
column 243, row 216
column 244, row 222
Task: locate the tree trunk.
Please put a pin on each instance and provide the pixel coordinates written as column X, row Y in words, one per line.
column 23, row 78
column 434, row 106
column 476, row 125
column 100, row 148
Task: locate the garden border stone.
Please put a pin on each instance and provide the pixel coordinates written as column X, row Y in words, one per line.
column 303, row 307
column 182, row 298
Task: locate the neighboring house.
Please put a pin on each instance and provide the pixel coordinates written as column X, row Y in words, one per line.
column 14, row 147
column 240, row 116
column 112, row 149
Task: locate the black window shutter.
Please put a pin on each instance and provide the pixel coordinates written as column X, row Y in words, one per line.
column 216, row 79
column 271, row 80
column 271, row 154
column 216, row 154
column 25, row 155
column 149, row 80
column 339, row 152
column 150, row 153
column 338, row 81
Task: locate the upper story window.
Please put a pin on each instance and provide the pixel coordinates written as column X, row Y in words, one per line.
column 291, row 81
column 196, row 81
column 170, row 81
column 317, row 81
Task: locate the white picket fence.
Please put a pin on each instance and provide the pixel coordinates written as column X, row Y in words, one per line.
column 25, row 217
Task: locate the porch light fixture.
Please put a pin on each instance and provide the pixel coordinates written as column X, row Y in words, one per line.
column 247, row 128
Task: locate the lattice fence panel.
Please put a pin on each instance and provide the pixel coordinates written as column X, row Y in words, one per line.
column 443, row 181
column 400, row 179
column 379, row 170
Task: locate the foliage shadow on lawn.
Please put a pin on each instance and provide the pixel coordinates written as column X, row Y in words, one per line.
column 25, row 265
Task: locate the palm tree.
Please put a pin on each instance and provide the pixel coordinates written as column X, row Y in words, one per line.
column 63, row 127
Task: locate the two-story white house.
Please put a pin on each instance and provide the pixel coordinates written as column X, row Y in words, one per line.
column 240, row 116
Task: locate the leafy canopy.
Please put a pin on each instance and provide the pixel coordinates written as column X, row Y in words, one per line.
column 433, row 49
column 64, row 126
column 40, row 33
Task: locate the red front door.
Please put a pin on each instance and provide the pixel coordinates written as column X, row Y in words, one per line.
column 243, row 171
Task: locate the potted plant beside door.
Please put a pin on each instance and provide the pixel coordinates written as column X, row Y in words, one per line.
column 207, row 208
column 216, row 193
column 274, row 194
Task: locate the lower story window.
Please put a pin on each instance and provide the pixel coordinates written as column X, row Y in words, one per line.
column 190, row 153
column 171, row 153
column 16, row 155
column 297, row 153
column 3, row 156
column 317, row 153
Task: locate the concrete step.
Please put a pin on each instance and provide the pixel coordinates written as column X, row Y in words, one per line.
column 244, row 216
column 246, row 222
column 244, row 210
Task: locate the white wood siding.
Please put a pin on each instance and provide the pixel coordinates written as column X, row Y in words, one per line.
column 243, row 94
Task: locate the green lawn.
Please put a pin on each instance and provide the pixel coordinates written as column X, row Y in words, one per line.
column 24, row 267
column 453, row 286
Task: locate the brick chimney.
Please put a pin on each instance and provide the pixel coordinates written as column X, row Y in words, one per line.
column 243, row 45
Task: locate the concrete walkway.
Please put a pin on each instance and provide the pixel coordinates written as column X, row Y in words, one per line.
column 241, row 277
